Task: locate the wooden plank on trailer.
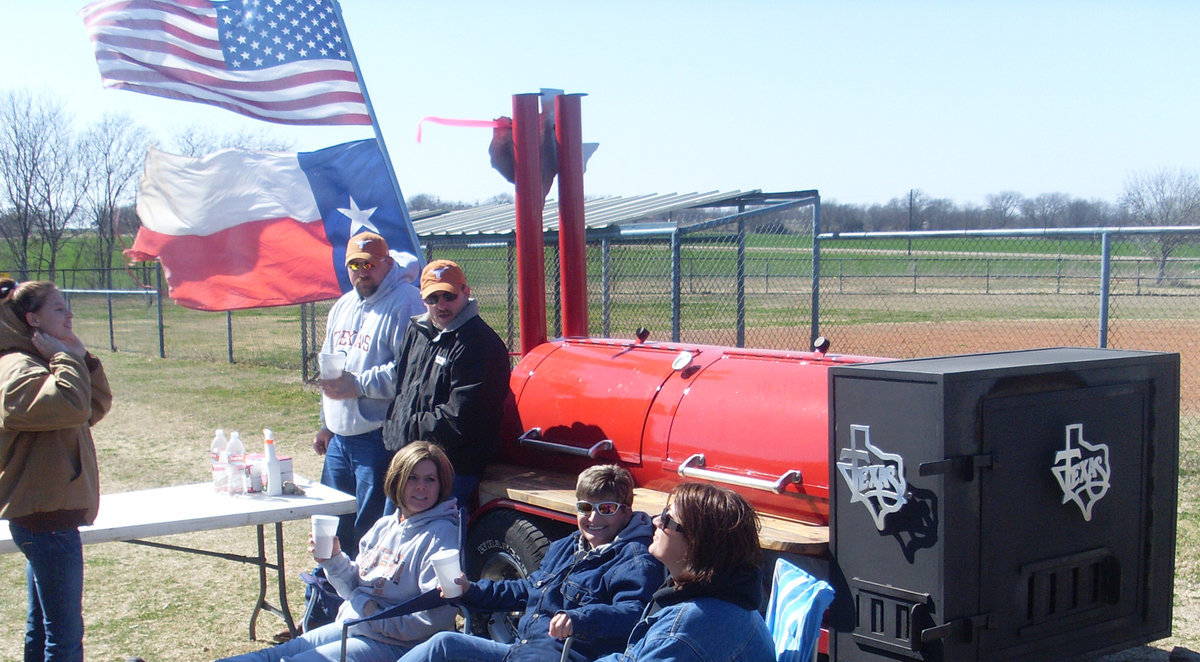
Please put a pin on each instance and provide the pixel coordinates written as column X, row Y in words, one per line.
column 556, row 491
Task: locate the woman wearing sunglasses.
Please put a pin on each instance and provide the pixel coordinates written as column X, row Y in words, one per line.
column 707, row 611
column 592, row 585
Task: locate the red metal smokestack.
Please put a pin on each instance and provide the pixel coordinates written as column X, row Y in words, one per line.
column 531, row 258
column 572, row 232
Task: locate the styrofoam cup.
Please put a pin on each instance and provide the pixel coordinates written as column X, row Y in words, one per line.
column 324, row 530
column 445, row 564
column 332, row 364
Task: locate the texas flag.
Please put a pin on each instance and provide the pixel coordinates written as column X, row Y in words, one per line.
column 237, row 229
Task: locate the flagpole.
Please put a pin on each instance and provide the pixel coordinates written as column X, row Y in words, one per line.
column 387, row 159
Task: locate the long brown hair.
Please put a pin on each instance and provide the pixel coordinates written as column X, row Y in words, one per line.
column 721, row 528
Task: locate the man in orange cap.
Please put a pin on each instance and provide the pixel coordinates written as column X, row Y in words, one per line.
column 452, row 378
column 366, row 325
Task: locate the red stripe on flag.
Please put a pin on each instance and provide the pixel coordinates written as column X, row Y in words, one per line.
column 334, row 119
column 265, row 81
column 204, row 13
column 122, row 43
column 272, row 262
column 156, row 25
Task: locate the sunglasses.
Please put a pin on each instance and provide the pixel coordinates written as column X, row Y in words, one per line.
column 665, row 522
column 361, row 266
column 432, row 299
column 605, row 508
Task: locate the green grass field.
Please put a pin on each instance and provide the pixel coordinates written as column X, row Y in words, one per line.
column 165, row 605
column 171, row 606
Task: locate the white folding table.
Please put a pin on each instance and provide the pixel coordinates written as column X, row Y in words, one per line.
column 132, row 516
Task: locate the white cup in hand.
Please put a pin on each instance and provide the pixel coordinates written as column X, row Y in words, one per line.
column 331, row 364
column 324, row 531
column 445, row 565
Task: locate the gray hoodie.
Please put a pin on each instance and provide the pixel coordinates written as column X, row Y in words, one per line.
column 393, row 567
column 370, row 332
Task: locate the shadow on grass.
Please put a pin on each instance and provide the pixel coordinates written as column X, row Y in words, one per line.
column 1152, row 654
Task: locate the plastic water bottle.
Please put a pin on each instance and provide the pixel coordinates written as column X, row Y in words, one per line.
column 274, row 486
column 217, row 455
column 235, row 468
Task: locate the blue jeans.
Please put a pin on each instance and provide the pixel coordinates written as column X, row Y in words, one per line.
column 324, row 644
column 457, row 647
column 357, row 464
column 54, row 578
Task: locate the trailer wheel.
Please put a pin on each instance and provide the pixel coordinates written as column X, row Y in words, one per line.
column 505, row 545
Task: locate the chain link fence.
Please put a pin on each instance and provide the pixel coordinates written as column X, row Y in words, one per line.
column 931, row 294
column 749, row 282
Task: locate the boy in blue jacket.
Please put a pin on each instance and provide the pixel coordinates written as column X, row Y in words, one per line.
column 592, row 585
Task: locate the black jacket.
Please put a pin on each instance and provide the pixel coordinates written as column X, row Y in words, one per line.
column 452, row 390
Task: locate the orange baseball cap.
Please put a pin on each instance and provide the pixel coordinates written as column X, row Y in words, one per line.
column 442, row 276
column 366, row 246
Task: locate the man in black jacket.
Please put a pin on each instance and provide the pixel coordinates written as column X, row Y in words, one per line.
column 452, row 379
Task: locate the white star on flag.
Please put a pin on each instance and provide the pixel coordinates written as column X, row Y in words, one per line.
column 360, row 219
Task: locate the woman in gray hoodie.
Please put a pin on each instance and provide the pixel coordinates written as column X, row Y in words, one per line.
column 392, row 567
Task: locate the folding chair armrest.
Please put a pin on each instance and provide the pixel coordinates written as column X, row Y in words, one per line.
column 427, row 600
column 345, row 633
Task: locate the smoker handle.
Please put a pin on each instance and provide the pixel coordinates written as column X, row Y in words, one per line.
column 692, row 468
column 533, row 439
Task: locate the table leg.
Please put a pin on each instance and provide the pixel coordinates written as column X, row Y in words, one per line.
column 261, row 604
column 263, row 564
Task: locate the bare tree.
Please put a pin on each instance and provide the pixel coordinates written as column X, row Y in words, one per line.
column 1093, row 213
column 114, row 150
column 836, row 217
column 26, row 123
column 62, row 184
column 500, row 199
column 940, row 212
column 1048, row 210
column 195, row 140
column 1168, row 197
column 1004, row 207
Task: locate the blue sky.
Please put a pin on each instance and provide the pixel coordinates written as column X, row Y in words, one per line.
column 861, row 100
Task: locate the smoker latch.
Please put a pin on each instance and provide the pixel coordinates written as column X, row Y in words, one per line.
column 962, row 628
column 964, row 466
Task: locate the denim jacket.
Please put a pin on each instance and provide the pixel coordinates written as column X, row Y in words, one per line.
column 716, row 622
column 603, row 590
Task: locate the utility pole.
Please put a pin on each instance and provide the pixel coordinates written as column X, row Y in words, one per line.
column 910, row 219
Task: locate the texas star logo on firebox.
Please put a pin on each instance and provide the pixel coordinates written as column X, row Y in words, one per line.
column 1082, row 470
column 878, row 484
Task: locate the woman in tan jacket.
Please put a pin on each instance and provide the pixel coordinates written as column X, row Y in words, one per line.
column 52, row 390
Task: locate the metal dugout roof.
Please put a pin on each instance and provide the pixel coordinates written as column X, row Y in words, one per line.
column 600, row 213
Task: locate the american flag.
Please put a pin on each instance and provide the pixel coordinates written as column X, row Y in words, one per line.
column 283, row 61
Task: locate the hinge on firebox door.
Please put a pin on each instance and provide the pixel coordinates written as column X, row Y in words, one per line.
column 963, row 465
column 961, row 628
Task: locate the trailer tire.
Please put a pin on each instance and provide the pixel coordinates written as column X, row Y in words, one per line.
column 505, row 544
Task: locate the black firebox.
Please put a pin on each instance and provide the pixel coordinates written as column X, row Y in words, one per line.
column 1015, row 506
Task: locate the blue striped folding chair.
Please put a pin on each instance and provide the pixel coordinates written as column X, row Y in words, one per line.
column 797, row 604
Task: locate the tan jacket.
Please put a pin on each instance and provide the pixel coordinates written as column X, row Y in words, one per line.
column 47, row 457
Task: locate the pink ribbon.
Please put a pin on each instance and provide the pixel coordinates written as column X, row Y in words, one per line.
column 446, row 121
